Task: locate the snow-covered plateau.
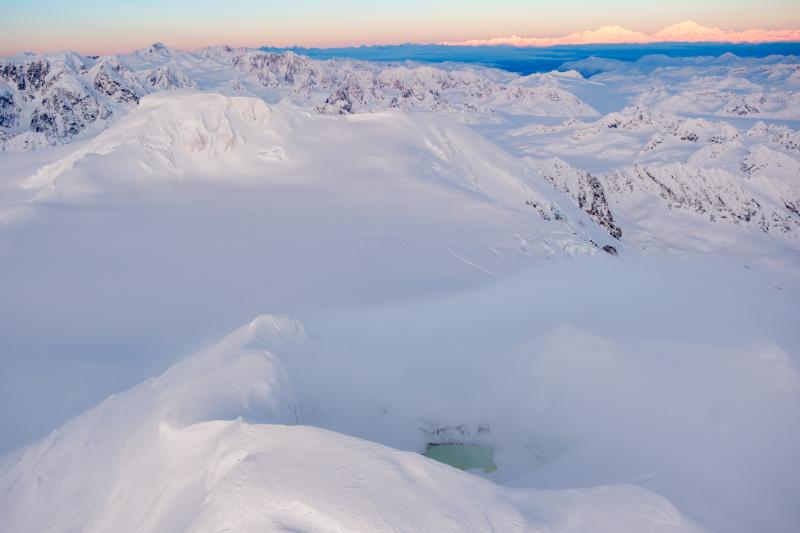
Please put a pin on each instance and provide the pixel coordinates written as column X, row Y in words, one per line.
column 594, row 274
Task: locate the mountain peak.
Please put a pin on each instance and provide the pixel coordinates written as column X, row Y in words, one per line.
column 687, row 24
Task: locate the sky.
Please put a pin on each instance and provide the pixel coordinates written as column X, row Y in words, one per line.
column 101, row 27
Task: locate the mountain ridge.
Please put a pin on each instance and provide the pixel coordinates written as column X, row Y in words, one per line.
column 47, row 100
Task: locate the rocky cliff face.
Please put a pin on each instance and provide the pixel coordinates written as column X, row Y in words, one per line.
column 46, row 101
column 584, row 188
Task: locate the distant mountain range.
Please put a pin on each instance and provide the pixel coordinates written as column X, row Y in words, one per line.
column 683, row 32
column 47, row 100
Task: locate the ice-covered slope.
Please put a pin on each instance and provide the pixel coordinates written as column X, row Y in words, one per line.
column 184, row 134
column 47, row 100
column 206, row 447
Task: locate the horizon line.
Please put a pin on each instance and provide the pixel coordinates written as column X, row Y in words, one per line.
column 687, row 32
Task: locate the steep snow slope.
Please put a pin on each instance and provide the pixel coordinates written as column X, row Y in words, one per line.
column 47, row 100
column 199, row 449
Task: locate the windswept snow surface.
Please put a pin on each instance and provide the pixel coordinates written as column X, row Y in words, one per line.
column 609, row 301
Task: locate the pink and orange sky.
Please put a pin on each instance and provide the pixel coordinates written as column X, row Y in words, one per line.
column 99, row 27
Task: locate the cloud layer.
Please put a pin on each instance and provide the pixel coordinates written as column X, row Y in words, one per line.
column 689, row 32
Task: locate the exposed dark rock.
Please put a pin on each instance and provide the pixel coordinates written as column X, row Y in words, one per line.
column 9, row 112
column 110, row 87
column 584, row 188
column 610, row 249
column 64, row 113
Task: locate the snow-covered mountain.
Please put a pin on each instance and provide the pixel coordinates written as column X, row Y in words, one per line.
column 205, row 136
column 288, row 425
column 216, row 443
column 47, row 100
column 727, row 86
column 605, row 305
column 683, row 32
column 652, row 170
